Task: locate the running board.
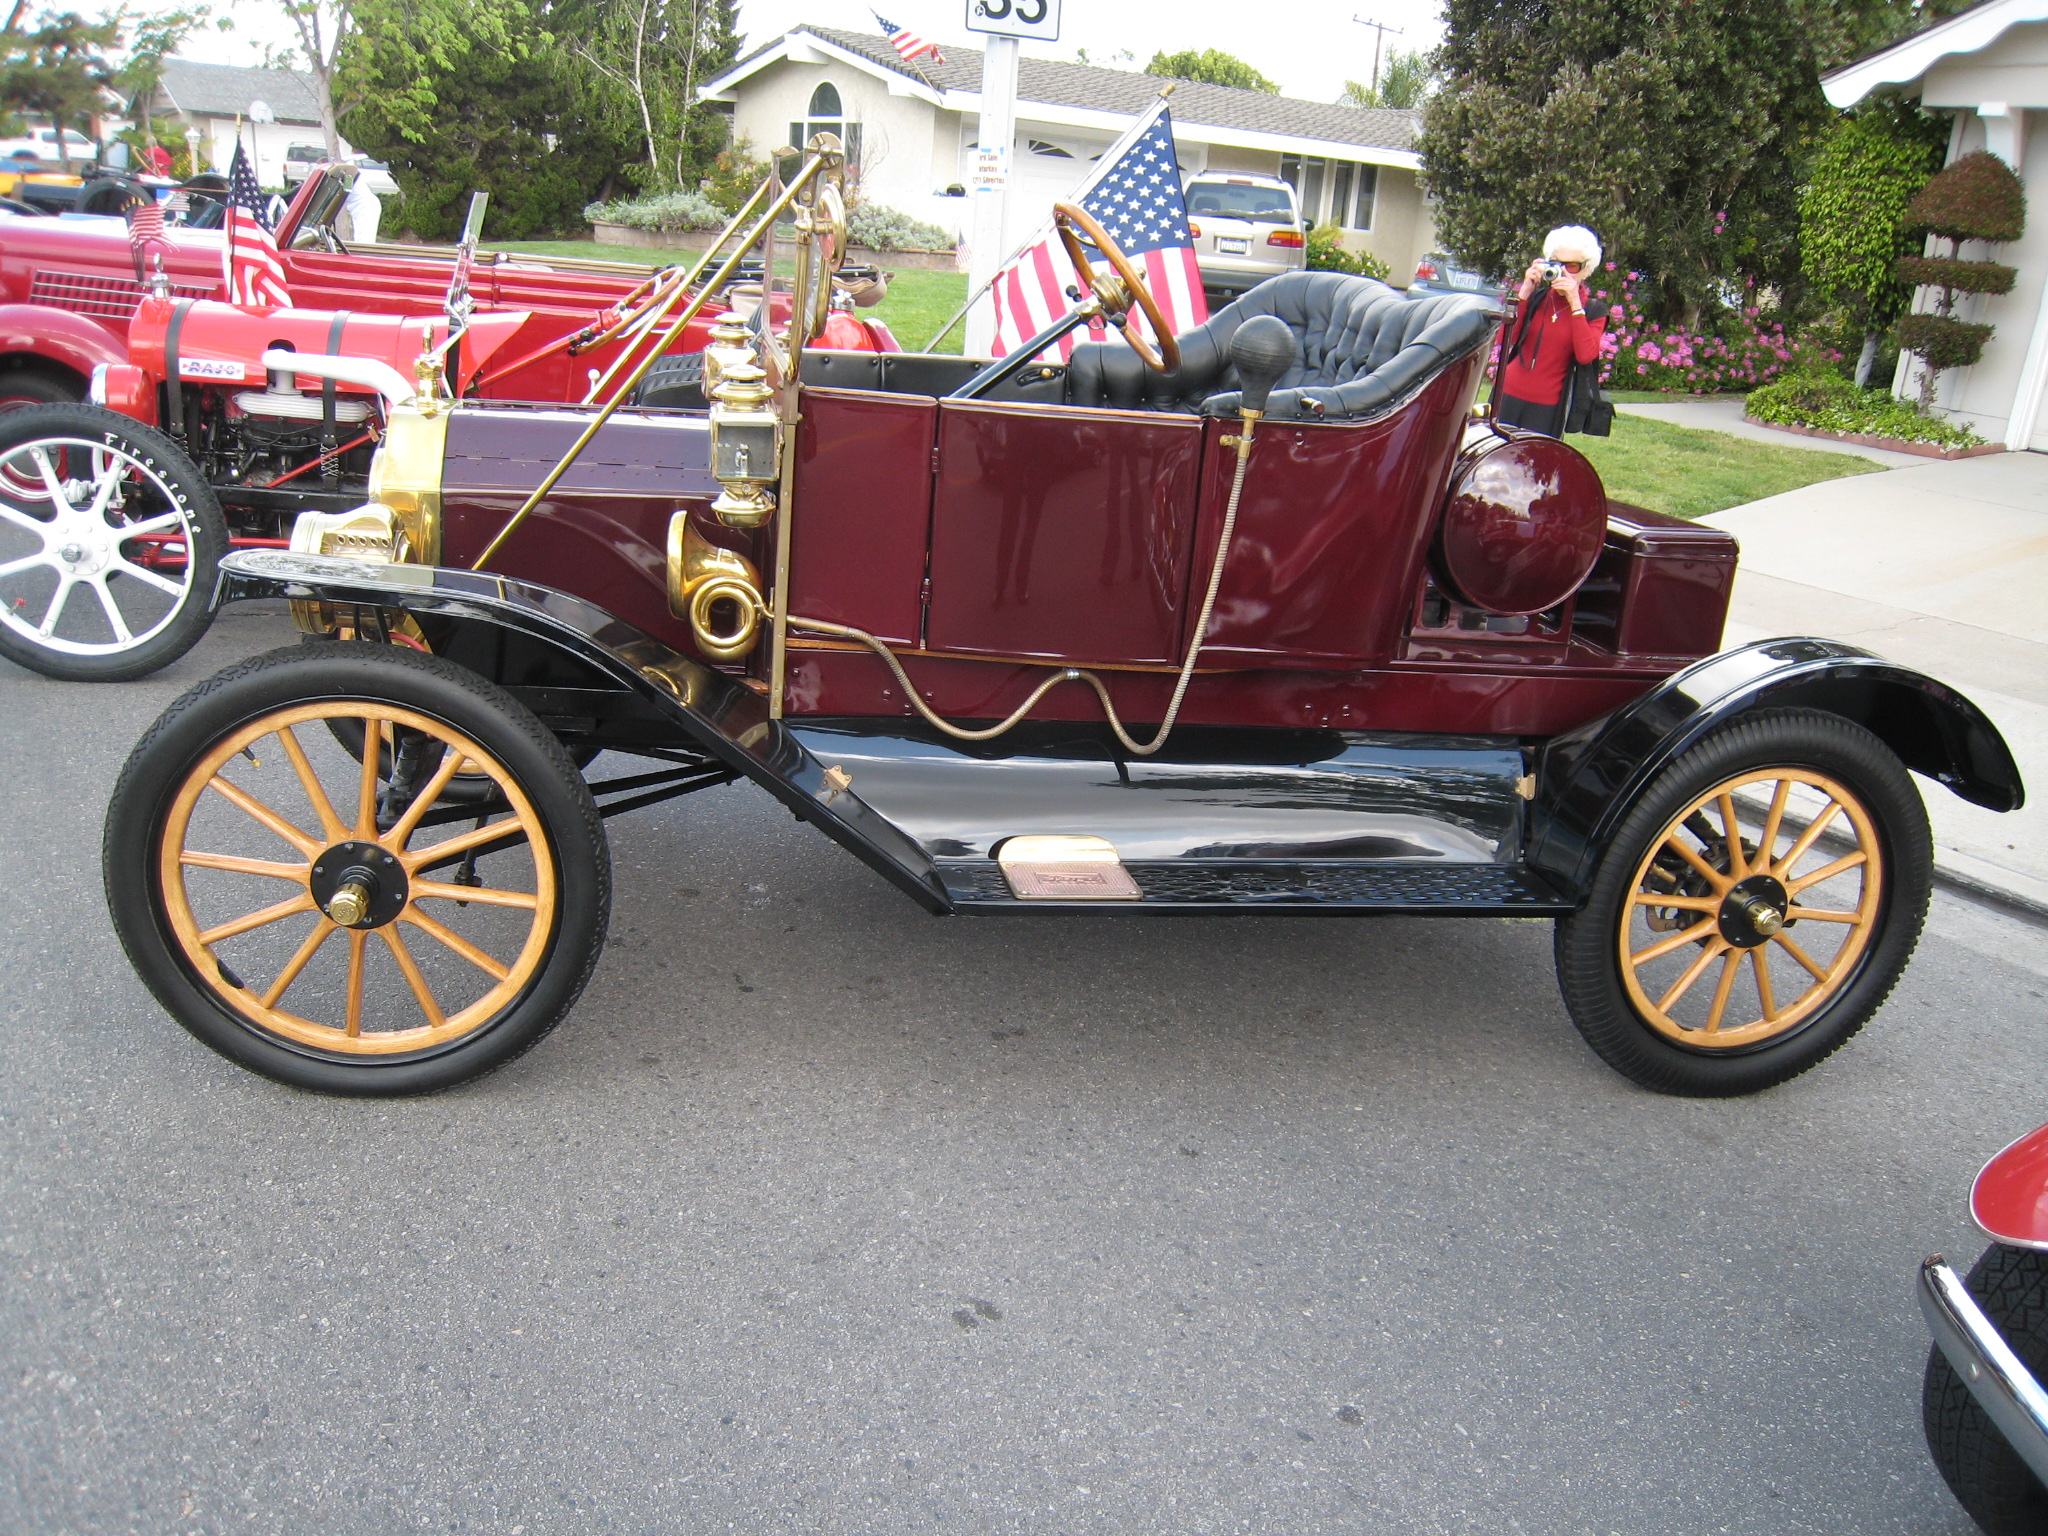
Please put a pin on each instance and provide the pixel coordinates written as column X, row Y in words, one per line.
column 1179, row 885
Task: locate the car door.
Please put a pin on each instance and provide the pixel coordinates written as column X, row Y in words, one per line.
column 1062, row 533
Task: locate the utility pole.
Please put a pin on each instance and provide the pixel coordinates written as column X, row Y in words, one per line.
column 989, row 184
column 1379, row 36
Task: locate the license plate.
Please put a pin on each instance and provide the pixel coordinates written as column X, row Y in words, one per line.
column 1467, row 280
column 1227, row 247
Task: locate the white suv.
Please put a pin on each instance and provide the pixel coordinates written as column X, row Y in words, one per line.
column 1246, row 229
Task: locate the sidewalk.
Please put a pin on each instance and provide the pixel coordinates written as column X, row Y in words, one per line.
column 1942, row 566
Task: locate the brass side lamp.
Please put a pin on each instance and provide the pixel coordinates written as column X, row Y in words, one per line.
column 746, row 446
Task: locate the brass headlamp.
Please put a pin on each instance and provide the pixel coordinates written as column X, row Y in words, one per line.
column 746, row 446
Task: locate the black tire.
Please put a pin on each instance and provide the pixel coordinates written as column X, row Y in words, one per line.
column 674, row 382
column 1981, row 1469
column 108, row 195
column 23, row 387
column 115, row 618
column 1875, row 937
column 558, row 925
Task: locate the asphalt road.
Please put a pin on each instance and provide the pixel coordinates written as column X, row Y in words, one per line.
column 820, row 1214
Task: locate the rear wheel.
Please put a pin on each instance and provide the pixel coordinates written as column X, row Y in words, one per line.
column 1757, row 905
column 317, row 921
column 1981, row 1469
column 110, row 545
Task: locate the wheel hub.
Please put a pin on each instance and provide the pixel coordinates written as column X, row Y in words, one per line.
column 1753, row 910
column 359, row 885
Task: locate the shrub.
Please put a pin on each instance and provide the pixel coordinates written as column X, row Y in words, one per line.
column 1963, row 276
column 1976, row 198
column 734, row 176
column 1731, row 350
column 1326, row 253
column 1827, row 402
column 668, row 213
column 885, row 229
column 1943, row 340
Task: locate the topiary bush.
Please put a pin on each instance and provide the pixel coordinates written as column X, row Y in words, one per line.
column 668, row 213
column 1827, row 402
column 1976, row 198
column 886, row 229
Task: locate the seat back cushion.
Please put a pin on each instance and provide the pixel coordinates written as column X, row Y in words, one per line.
column 1363, row 347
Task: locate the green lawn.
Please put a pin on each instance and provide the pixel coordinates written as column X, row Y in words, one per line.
column 1688, row 473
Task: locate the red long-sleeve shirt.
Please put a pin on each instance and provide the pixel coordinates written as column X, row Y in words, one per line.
column 1557, row 338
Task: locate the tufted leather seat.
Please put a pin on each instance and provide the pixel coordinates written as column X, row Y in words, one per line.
column 1363, row 347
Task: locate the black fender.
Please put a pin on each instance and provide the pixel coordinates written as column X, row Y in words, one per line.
column 570, row 657
column 1589, row 777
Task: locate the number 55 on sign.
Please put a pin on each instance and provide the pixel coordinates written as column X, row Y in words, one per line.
column 1038, row 20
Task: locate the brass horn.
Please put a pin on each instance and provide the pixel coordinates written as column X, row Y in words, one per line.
column 701, row 576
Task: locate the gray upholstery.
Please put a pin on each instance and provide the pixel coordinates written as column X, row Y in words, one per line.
column 1363, row 347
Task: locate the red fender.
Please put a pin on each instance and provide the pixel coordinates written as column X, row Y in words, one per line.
column 37, row 330
column 2010, row 1198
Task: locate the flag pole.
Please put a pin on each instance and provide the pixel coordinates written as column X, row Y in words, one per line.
column 1103, row 162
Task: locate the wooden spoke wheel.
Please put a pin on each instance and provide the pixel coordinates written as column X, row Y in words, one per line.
column 1119, row 293
column 109, row 542
column 1755, row 908
column 328, row 918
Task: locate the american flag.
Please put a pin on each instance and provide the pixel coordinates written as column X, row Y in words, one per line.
column 255, row 277
column 146, row 234
column 1135, row 196
column 907, row 42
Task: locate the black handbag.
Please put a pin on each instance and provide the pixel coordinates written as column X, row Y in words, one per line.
column 1588, row 411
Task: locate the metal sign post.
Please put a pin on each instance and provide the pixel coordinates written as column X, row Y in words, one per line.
column 1003, row 22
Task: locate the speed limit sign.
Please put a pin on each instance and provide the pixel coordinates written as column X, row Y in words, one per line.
column 1036, row 20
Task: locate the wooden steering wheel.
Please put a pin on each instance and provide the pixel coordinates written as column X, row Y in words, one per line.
column 1116, row 294
column 608, row 326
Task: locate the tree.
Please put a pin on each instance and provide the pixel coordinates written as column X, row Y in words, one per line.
column 324, row 28
column 1211, row 66
column 1976, row 198
column 59, row 70
column 1852, row 212
column 1677, row 132
column 645, row 59
column 153, row 39
column 1404, row 81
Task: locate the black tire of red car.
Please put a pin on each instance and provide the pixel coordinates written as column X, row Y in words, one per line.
column 150, row 822
column 1893, row 834
column 1982, row 1470
column 21, row 387
column 171, row 492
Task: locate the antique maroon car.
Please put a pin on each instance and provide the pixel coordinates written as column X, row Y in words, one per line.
column 87, row 593
column 1983, row 1404
column 1258, row 619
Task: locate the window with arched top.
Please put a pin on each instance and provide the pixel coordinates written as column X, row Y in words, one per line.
column 827, row 114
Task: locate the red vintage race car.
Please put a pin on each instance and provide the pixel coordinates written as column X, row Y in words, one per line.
column 1983, row 1403
column 242, row 448
column 1256, row 619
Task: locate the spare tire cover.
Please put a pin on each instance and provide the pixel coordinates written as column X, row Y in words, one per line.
column 1522, row 525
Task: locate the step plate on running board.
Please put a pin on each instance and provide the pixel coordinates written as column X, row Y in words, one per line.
column 1046, row 868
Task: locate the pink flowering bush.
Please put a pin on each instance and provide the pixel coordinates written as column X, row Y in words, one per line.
column 1734, row 351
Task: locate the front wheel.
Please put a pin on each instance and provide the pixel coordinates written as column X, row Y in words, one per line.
column 1985, row 1473
column 110, row 545
column 1757, row 905
column 322, row 922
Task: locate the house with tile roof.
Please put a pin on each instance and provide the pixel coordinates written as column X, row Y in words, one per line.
column 214, row 97
column 910, row 129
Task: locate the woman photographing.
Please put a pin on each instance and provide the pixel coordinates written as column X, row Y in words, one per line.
column 1558, row 330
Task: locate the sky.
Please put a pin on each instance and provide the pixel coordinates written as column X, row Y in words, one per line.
column 1308, row 47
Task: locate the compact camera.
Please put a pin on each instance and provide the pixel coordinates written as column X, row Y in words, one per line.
column 1553, row 270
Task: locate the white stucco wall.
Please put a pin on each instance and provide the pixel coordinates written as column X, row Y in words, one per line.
column 265, row 142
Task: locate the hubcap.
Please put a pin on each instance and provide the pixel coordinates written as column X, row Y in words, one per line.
column 359, row 885
column 1753, row 910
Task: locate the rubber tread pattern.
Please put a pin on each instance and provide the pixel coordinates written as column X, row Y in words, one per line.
column 1985, row 1474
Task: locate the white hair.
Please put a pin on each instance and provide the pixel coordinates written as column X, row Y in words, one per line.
column 1578, row 237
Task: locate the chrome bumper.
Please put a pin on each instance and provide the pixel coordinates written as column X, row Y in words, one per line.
column 2002, row 1385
